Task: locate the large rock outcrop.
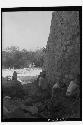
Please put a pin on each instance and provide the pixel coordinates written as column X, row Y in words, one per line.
column 63, row 46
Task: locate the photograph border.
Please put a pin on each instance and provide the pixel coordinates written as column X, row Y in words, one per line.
column 60, row 8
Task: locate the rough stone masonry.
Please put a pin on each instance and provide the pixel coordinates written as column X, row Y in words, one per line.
column 62, row 56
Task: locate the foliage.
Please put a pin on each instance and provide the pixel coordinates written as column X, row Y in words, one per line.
column 13, row 57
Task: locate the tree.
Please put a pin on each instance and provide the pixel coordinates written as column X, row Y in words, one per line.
column 13, row 57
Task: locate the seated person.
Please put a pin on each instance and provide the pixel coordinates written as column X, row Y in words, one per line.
column 14, row 77
column 55, row 86
column 72, row 88
column 59, row 89
column 43, row 82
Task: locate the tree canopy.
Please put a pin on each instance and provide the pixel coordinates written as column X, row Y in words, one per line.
column 13, row 57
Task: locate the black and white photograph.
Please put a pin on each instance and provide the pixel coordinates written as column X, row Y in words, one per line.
column 41, row 66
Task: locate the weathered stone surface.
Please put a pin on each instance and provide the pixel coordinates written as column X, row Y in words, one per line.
column 63, row 45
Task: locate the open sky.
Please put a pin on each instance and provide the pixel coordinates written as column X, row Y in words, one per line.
column 29, row 29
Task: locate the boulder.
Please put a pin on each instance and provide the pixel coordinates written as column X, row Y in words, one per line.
column 32, row 109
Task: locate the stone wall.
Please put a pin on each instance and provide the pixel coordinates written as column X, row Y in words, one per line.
column 63, row 46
